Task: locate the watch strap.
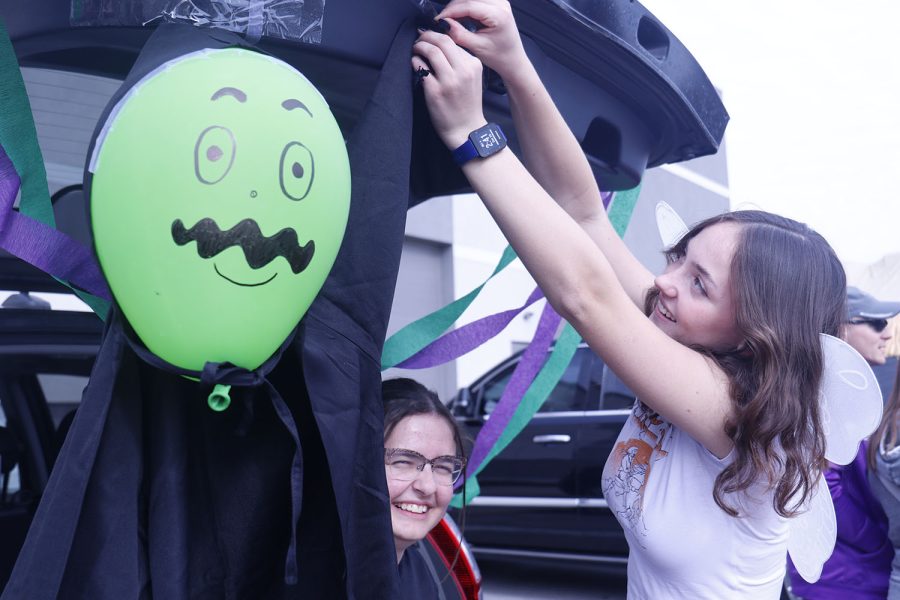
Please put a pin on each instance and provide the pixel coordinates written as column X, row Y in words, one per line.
column 465, row 153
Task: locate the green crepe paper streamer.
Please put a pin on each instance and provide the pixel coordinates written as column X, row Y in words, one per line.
column 622, row 207
column 418, row 334
column 619, row 215
column 98, row 305
column 538, row 391
column 19, row 139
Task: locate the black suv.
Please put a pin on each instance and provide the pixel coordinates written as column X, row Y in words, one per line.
column 541, row 496
column 47, row 356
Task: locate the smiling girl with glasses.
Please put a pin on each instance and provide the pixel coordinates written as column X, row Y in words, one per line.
column 423, row 458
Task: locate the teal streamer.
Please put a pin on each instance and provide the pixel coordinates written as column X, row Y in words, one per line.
column 620, row 212
column 18, row 137
column 534, row 398
column 418, row 334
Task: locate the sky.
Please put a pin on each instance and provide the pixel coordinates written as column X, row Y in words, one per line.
column 813, row 90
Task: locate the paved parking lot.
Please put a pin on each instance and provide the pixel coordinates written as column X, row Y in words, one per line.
column 504, row 580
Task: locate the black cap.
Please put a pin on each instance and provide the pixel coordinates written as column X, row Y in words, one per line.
column 861, row 305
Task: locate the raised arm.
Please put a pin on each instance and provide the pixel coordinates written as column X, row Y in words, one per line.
column 679, row 383
column 550, row 150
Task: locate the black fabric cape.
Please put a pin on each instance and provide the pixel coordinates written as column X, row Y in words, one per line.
column 155, row 496
column 418, row 580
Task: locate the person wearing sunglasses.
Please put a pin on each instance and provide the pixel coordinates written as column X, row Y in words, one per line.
column 861, row 562
column 867, row 326
column 423, row 459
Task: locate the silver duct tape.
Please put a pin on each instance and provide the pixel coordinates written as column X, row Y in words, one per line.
column 295, row 20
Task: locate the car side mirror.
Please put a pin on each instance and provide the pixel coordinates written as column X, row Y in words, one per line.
column 460, row 405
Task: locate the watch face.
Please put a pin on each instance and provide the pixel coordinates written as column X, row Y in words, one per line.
column 488, row 139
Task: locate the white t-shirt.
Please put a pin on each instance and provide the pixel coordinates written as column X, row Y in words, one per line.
column 658, row 482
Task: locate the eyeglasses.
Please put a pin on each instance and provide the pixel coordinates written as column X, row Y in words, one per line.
column 876, row 324
column 405, row 465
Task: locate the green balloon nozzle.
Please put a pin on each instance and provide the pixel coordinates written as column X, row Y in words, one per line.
column 219, row 399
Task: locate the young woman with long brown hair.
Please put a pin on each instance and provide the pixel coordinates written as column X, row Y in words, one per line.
column 723, row 348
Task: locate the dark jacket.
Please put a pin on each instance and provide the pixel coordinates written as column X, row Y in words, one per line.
column 861, row 562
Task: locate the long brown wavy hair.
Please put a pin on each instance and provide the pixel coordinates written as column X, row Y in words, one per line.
column 889, row 429
column 789, row 287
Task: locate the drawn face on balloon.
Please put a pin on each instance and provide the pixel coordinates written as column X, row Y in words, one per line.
column 219, row 199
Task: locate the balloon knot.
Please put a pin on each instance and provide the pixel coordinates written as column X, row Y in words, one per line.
column 219, row 398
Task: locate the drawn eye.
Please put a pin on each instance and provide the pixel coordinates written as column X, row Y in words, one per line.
column 297, row 171
column 214, row 154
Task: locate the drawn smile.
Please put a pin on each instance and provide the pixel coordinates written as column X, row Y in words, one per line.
column 225, row 277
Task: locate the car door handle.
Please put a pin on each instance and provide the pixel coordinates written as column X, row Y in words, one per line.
column 552, row 439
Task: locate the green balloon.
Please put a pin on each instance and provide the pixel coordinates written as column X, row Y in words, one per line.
column 219, row 199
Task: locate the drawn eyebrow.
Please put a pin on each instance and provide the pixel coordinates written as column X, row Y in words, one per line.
column 292, row 103
column 230, row 91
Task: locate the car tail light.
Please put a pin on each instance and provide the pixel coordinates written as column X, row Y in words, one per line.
column 447, row 540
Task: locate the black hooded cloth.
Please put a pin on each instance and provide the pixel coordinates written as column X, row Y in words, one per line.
column 156, row 496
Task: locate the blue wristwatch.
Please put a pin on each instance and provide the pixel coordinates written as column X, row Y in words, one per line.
column 482, row 142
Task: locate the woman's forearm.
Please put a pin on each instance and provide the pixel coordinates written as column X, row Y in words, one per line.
column 556, row 251
column 557, row 161
column 549, row 149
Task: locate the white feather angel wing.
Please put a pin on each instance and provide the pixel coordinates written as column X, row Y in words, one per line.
column 851, row 400
column 670, row 225
column 851, row 405
column 812, row 534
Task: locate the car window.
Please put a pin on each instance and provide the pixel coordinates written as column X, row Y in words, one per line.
column 63, row 393
column 66, row 107
column 12, row 485
column 615, row 395
column 493, row 390
column 568, row 395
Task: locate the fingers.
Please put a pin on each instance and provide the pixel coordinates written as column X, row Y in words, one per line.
column 496, row 42
column 420, row 68
column 418, row 63
column 442, row 52
column 462, row 36
column 431, row 55
column 455, row 74
column 486, row 12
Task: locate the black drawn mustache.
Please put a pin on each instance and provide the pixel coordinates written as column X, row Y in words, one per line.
column 259, row 250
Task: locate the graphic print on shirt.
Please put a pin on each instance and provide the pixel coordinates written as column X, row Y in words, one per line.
column 630, row 465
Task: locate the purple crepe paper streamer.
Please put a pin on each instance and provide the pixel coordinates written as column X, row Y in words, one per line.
column 454, row 344
column 606, row 197
column 43, row 246
column 458, row 342
column 532, row 360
